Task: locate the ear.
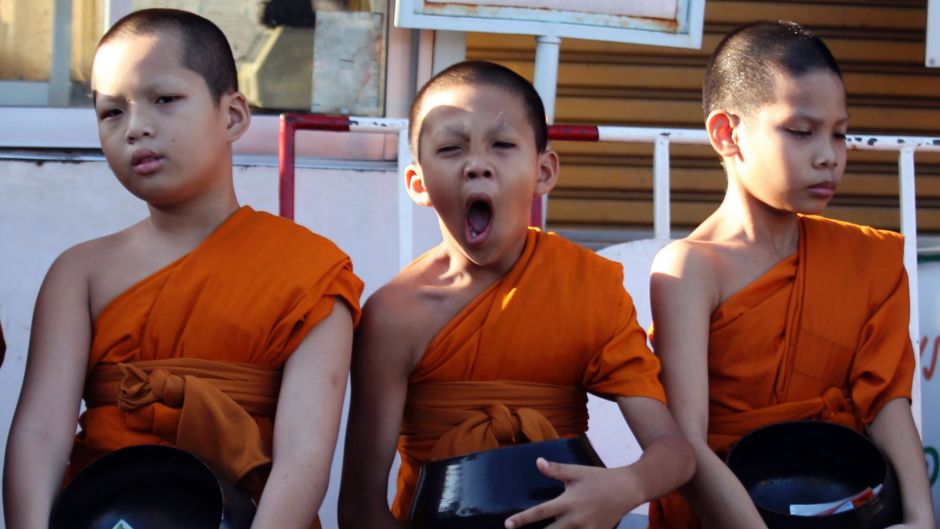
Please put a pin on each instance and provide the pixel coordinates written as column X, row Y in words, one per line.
column 547, row 172
column 720, row 126
column 238, row 113
column 414, row 183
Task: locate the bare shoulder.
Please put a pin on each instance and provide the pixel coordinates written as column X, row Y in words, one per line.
column 83, row 259
column 685, row 276
column 391, row 324
column 391, row 309
column 688, row 260
column 108, row 264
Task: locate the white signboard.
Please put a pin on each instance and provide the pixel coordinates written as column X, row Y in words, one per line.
column 928, row 278
column 655, row 22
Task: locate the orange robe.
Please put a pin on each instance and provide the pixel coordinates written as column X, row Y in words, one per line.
column 215, row 326
column 822, row 335
column 516, row 362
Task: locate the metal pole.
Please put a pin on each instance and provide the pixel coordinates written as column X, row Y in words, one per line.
column 547, row 51
column 60, row 74
column 405, row 211
column 661, row 220
column 909, row 230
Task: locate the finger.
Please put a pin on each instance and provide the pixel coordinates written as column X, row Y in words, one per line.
column 540, row 512
column 559, row 471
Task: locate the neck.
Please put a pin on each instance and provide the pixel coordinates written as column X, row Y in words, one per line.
column 192, row 221
column 743, row 217
column 458, row 265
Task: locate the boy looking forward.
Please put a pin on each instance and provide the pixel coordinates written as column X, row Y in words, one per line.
column 494, row 336
column 198, row 325
column 767, row 313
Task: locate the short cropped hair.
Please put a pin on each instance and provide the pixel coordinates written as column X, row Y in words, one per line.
column 203, row 47
column 483, row 73
column 740, row 73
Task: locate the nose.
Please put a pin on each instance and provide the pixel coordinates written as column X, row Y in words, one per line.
column 139, row 125
column 477, row 166
column 829, row 153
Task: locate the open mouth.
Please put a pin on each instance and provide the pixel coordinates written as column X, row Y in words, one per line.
column 479, row 220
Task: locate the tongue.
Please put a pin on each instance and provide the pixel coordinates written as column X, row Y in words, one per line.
column 479, row 217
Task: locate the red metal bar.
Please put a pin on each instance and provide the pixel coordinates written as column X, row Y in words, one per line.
column 290, row 123
column 316, row 122
column 573, row 133
column 285, row 156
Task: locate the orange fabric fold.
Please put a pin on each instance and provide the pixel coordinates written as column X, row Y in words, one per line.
column 832, row 406
column 454, row 418
column 823, row 335
column 447, row 419
column 215, row 402
column 244, row 299
column 515, row 364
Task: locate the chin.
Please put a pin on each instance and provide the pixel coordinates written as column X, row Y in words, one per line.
column 815, row 208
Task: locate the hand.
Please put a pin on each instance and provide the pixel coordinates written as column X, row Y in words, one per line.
column 594, row 498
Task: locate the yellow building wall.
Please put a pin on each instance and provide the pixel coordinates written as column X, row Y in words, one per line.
column 879, row 45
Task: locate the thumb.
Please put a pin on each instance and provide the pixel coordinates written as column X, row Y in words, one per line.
column 559, row 471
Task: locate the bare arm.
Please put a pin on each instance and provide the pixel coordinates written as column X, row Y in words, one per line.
column 588, row 502
column 43, row 428
column 379, row 384
column 308, row 412
column 894, row 432
column 683, row 296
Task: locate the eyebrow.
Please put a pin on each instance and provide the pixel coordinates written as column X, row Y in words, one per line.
column 817, row 121
column 453, row 130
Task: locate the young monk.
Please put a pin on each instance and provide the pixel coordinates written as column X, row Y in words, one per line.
column 209, row 326
column 767, row 313
column 493, row 337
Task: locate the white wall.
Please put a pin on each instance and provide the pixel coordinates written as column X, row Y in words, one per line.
column 47, row 207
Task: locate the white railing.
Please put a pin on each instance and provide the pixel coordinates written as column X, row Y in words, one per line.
column 661, row 139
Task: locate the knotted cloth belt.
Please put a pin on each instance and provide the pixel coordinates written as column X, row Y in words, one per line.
column 832, row 406
column 456, row 418
column 216, row 400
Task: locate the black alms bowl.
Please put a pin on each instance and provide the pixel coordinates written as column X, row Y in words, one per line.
column 482, row 489
column 151, row 487
column 809, row 462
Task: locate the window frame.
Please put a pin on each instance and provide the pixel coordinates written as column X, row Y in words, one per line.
column 58, row 127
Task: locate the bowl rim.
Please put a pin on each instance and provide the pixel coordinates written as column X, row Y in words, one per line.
column 821, row 425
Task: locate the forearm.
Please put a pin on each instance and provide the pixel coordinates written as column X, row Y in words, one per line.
column 894, row 432
column 363, row 494
column 717, row 497
column 665, row 465
column 365, row 511
column 294, row 491
column 32, row 477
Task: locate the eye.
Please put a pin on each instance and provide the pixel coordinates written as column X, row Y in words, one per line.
column 447, row 149
column 108, row 113
column 504, row 145
column 839, row 136
column 800, row 133
column 162, row 100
